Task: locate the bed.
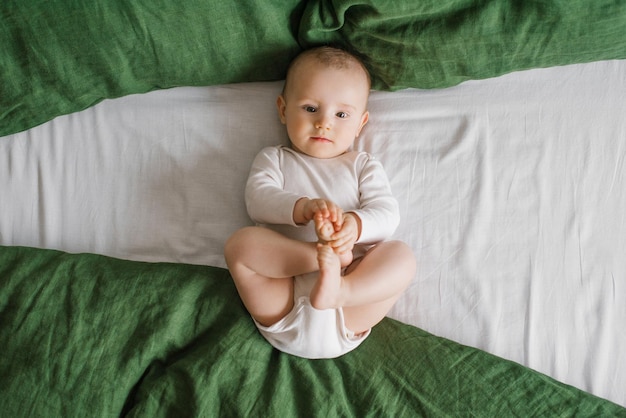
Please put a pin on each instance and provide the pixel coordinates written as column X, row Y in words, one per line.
column 126, row 133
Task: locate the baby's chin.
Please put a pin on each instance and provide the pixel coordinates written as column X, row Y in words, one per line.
column 322, row 154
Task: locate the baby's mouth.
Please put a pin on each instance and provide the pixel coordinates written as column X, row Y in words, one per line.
column 320, row 138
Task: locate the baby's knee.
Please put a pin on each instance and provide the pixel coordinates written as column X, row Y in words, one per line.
column 404, row 255
column 237, row 243
column 400, row 248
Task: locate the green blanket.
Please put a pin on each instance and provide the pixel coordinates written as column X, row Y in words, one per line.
column 86, row 335
column 61, row 56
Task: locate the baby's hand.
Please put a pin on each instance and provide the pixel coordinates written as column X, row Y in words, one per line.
column 347, row 234
column 321, row 207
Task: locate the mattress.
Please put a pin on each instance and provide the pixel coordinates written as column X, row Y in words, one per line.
column 512, row 193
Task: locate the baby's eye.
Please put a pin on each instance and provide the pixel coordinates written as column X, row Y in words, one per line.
column 341, row 115
column 310, row 109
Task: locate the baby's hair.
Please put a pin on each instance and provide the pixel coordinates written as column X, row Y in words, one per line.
column 332, row 57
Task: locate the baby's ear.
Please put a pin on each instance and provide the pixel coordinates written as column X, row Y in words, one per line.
column 364, row 119
column 281, row 105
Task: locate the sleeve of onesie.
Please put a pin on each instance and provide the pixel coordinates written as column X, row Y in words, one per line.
column 379, row 211
column 266, row 200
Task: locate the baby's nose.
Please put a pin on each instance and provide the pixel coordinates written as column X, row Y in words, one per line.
column 323, row 123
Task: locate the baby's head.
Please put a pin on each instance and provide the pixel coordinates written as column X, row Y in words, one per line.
column 324, row 101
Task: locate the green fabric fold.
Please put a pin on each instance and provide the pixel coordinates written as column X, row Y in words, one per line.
column 430, row 44
column 61, row 56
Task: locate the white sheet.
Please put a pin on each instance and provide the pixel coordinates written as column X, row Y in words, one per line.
column 512, row 192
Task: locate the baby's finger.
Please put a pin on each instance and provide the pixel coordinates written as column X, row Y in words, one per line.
column 340, row 239
column 342, row 247
column 321, row 208
column 345, row 232
column 332, row 211
column 338, row 223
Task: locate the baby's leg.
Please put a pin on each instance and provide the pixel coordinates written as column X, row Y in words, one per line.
column 368, row 291
column 326, row 292
column 263, row 263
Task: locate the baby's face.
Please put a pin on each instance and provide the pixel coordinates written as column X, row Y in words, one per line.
column 324, row 109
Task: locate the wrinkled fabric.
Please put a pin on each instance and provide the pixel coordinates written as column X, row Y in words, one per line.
column 87, row 335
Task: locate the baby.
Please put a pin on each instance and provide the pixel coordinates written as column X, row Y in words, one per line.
column 316, row 273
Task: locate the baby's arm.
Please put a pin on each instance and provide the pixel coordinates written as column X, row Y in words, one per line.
column 266, row 199
column 379, row 212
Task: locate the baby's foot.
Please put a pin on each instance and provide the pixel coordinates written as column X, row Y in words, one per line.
column 327, row 290
column 345, row 259
column 324, row 229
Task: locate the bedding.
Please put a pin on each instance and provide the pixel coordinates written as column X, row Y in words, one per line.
column 90, row 335
column 114, row 299
column 510, row 190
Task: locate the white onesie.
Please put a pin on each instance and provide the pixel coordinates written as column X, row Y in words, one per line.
column 357, row 183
